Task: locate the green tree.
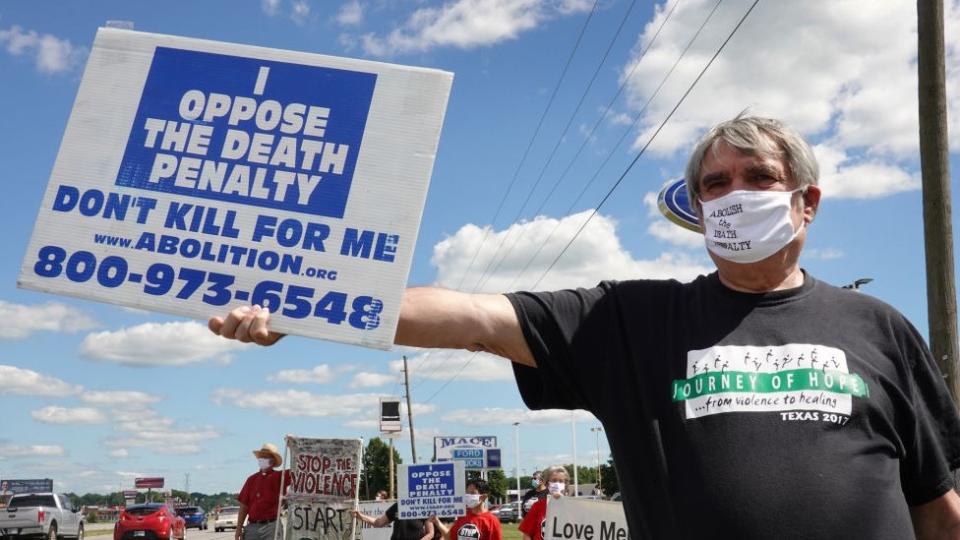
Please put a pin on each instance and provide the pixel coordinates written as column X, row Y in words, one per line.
column 376, row 467
column 498, row 484
column 611, row 484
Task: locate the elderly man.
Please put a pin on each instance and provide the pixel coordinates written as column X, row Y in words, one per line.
column 260, row 496
column 754, row 402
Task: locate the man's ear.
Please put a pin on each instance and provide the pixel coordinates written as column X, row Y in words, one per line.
column 811, row 203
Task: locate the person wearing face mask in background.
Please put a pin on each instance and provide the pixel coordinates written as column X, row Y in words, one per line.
column 260, row 496
column 538, row 490
column 479, row 523
column 533, row 523
column 752, row 402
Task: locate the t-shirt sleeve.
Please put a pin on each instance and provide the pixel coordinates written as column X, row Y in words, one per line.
column 391, row 513
column 244, row 496
column 933, row 444
column 567, row 332
column 527, row 526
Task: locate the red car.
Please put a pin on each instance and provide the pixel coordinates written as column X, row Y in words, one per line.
column 153, row 521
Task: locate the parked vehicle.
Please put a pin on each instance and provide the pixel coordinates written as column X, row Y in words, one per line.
column 193, row 516
column 506, row 513
column 227, row 518
column 151, row 521
column 46, row 515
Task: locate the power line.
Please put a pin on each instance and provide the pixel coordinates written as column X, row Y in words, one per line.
column 516, row 172
column 630, row 166
column 543, row 116
column 556, row 145
column 650, row 140
column 586, row 139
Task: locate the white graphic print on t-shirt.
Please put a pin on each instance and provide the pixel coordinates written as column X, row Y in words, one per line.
column 802, row 381
column 468, row 531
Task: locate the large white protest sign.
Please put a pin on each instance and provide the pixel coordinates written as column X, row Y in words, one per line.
column 374, row 509
column 324, row 477
column 584, row 519
column 197, row 176
column 431, row 489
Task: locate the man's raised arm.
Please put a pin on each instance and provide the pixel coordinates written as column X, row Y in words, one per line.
column 429, row 317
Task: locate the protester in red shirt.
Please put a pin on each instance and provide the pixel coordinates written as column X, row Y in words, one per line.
column 479, row 523
column 260, row 497
column 534, row 522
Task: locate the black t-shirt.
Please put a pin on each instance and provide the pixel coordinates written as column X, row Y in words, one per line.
column 405, row 529
column 814, row 412
column 531, row 494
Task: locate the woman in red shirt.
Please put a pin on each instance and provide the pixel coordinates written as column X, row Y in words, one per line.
column 533, row 523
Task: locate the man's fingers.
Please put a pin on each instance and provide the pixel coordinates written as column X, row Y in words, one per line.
column 259, row 328
column 229, row 327
column 243, row 329
column 214, row 324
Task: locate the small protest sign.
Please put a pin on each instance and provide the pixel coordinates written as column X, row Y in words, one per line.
column 197, row 176
column 584, row 519
column 324, row 476
column 374, row 509
column 431, row 489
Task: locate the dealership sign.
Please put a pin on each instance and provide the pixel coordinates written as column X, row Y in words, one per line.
column 478, row 452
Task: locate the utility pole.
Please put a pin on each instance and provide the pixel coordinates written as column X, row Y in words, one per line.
column 935, row 170
column 391, row 469
column 186, row 487
column 573, row 436
column 406, row 384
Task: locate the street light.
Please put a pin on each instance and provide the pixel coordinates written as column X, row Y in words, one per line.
column 516, row 466
column 598, row 430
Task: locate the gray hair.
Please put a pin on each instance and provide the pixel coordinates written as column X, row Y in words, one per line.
column 755, row 136
column 556, row 469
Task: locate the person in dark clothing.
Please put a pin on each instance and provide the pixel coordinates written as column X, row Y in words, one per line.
column 538, row 490
column 753, row 402
column 403, row 529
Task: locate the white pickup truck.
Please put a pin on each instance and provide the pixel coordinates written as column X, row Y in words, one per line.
column 50, row 515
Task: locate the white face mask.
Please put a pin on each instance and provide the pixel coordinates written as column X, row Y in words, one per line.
column 556, row 488
column 265, row 463
column 471, row 500
column 748, row 226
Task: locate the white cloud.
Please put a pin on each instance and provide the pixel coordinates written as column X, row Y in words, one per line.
column 852, row 88
column 467, row 24
column 63, row 415
column 497, row 416
column 826, row 254
column 595, row 255
column 50, row 54
column 14, row 380
column 22, row 321
column 320, row 374
column 843, row 177
column 159, row 344
column 350, row 14
column 127, row 398
column 300, row 11
column 665, row 230
column 35, row 450
column 119, row 453
column 366, row 379
column 298, row 403
column 270, row 7
column 141, row 427
column 443, row 364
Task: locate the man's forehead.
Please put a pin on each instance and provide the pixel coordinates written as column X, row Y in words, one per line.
column 724, row 158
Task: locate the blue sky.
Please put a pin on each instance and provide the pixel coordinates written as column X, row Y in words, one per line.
column 93, row 395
